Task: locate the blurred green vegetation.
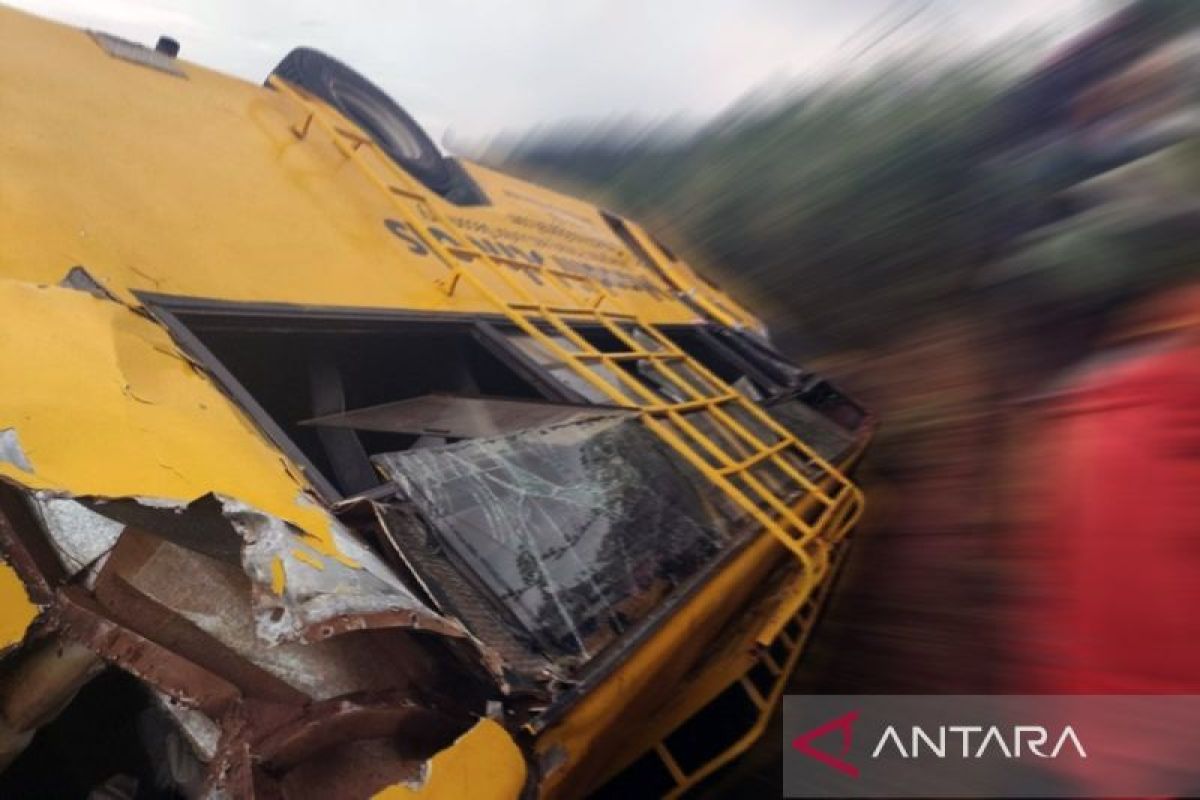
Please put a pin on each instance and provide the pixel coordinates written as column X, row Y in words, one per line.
column 844, row 211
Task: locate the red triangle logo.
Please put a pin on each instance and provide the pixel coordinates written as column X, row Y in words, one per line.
column 845, row 723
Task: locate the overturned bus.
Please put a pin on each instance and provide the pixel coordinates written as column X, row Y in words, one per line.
column 334, row 467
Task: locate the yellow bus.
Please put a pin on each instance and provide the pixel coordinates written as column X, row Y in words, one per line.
column 333, row 466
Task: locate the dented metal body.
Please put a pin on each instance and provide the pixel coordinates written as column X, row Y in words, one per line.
column 363, row 490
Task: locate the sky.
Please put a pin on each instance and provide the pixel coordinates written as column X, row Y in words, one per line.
column 471, row 70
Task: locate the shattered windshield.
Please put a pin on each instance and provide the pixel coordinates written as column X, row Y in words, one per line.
column 578, row 530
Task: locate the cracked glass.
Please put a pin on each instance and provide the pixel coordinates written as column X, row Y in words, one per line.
column 578, row 530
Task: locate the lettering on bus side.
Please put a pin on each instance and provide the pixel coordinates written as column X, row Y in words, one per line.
column 417, row 242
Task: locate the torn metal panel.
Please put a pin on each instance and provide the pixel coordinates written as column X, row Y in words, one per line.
column 104, row 404
column 313, row 596
column 113, row 428
column 215, row 597
column 122, row 597
column 578, row 531
column 81, row 619
column 182, row 621
column 461, row 417
column 198, row 525
column 78, row 535
column 299, row 592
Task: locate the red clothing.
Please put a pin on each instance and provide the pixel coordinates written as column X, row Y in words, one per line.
column 1117, row 550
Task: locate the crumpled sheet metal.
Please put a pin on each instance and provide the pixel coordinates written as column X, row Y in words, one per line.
column 112, row 431
column 215, row 597
column 105, row 407
column 578, row 530
column 313, row 595
column 298, row 593
column 78, row 535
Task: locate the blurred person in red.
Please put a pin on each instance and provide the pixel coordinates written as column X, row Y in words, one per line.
column 1114, row 543
column 1111, row 552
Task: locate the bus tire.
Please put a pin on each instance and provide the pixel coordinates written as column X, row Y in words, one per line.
column 369, row 107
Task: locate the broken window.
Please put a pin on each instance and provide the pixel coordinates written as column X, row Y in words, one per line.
column 578, row 530
column 289, row 371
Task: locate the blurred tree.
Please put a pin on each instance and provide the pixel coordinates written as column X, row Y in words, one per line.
column 845, row 211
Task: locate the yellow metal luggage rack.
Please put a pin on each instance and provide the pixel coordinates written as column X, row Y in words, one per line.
column 757, row 463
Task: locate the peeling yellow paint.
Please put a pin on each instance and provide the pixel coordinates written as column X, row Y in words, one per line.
column 105, row 404
column 306, row 558
column 278, row 576
column 485, row 763
column 16, row 609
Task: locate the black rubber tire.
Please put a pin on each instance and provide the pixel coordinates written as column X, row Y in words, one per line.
column 371, row 109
